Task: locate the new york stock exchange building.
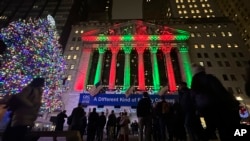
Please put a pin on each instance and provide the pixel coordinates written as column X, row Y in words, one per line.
column 120, row 61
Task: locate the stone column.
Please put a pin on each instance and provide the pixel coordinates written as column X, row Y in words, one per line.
column 112, row 74
column 155, row 69
column 169, row 68
column 82, row 72
column 141, row 73
column 98, row 72
column 185, row 64
column 127, row 50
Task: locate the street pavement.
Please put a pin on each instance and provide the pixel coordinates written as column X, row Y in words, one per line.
column 131, row 138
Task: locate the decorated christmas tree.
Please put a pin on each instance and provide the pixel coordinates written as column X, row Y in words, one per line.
column 33, row 51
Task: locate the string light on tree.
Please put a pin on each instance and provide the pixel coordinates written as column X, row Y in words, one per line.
column 33, row 51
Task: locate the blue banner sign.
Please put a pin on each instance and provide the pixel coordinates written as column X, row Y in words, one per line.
column 119, row 99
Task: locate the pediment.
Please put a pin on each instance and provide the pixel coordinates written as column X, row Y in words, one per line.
column 133, row 31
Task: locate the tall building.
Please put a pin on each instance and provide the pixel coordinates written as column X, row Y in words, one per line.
column 152, row 53
column 239, row 12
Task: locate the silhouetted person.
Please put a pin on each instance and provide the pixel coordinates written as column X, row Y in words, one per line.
column 191, row 119
column 111, row 124
column 92, row 125
column 134, row 126
column 60, row 119
column 23, row 118
column 178, row 122
column 219, row 108
column 144, row 114
column 77, row 117
column 118, row 127
column 124, row 131
column 162, row 112
column 100, row 127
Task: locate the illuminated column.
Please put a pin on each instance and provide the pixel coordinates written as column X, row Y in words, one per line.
column 112, row 74
column 82, row 76
column 185, row 64
column 141, row 73
column 127, row 51
column 169, row 68
column 98, row 72
column 156, row 79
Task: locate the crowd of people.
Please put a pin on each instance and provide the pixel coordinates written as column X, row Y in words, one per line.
column 117, row 127
column 161, row 121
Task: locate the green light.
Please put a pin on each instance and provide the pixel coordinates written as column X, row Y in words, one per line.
column 102, row 38
column 153, row 37
column 186, row 64
column 127, row 49
column 156, row 78
column 127, row 38
column 98, row 72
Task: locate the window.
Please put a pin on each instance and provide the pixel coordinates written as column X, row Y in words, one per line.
column 69, row 57
column 223, row 55
column 238, row 90
column 229, row 34
column 76, row 31
column 225, row 78
column 212, row 45
column 216, row 55
column 69, row 77
column 74, row 39
column 71, row 48
column 202, row 46
column 227, row 64
column 233, row 78
column 223, row 34
column 241, row 54
column 209, row 64
column 205, row 55
column 198, row 34
column 219, row 63
column 219, row 45
column 199, row 55
column 233, row 54
column 213, row 34
column 72, row 67
column 192, row 35
column 207, row 34
column 201, row 63
column 79, row 39
column 75, row 56
column 77, row 48
column 238, row 64
column 228, row 45
column 196, row 46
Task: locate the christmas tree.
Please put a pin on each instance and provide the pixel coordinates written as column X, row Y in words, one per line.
column 33, row 51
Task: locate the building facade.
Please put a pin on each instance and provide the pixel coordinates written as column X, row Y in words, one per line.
column 214, row 42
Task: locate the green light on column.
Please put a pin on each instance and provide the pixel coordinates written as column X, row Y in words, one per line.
column 127, row 49
column 186, row 64
column 156, row 78
column 127, row 38
column 98, row 72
